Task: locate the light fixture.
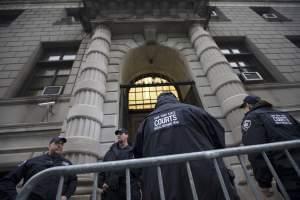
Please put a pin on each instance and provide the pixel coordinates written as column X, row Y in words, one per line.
column 151, row 51
column 48, row 105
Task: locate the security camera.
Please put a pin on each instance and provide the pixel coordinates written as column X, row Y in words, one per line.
column 50, row 103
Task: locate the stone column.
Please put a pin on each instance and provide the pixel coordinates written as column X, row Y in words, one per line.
column 85, row 118
column 224, row 82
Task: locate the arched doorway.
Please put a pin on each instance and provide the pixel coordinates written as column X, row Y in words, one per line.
column 140, row 97
column 147, row 71
column 142, row 94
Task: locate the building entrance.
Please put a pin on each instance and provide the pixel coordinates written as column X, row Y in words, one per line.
column 139, row 98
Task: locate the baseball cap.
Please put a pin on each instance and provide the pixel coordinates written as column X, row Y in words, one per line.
column 250, row 99
column 58, row 139
column 165, row 94
column 121, row 130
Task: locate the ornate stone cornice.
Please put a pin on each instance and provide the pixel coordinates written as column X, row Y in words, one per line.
column 132, row 15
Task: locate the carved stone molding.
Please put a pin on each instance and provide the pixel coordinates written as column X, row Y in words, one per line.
column 131, row 12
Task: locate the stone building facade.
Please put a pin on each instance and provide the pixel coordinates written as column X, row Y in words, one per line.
column 213, row 52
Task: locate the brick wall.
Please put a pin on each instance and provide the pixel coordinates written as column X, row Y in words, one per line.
column 23, row 36
column 268, row 37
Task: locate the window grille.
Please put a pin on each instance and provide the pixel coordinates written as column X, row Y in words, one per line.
column 144, row 95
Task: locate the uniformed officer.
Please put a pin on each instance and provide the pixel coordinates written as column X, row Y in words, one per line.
column 174, row 128
column 113, row 183
column 47, row 188
column 263, row 124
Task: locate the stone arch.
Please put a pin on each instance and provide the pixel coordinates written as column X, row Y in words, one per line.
column 154, row 58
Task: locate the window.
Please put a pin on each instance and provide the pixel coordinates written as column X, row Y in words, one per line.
column 8, row 16
column 242, row 61
column 71, row 17
column 52, row 70
column 269, row 14
column 143, row 96
column 216, row 15
column 295, row 40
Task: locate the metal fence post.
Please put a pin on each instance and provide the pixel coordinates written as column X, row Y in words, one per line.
column 128, row 186
column 60, row 188
column 279, row 183
column 294, row 164
column 95, row 186
column 221, row 179
column 161, row 184
column 189, row 171
column 249, row 179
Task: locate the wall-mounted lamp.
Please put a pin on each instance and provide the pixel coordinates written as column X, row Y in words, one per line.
column 151, row 51
column 48, row 106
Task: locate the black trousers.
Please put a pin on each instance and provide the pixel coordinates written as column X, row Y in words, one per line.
column 35, row 197
column 120, row 193
column 6, row 196
column 290, row 181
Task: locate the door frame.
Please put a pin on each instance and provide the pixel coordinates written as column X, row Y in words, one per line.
column 124, row 112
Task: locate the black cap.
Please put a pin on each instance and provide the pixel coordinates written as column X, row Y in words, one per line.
column 121, row 130
column 250, row 99
column 165, row 94
column 58, row 139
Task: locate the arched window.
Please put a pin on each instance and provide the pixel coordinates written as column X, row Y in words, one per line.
column 143, row 95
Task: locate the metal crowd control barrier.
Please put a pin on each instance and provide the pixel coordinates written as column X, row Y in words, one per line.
column 170, row 159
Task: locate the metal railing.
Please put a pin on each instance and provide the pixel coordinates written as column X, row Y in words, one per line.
column 171, row 159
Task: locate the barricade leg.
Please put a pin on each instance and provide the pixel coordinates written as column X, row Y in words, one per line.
column 250, row 180
column 189, row 171
column 160, row 184
column 128, row 186
column 60, row 188
column 221, row 179
column 279, row 183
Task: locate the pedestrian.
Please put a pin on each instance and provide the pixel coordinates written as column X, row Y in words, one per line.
column 46, row 189
column 175, row 128
column 264, row 124
column 113, row 183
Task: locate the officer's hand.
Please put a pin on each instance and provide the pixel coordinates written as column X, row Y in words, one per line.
column 267, row 192
column 63, row 198
column 105, row 186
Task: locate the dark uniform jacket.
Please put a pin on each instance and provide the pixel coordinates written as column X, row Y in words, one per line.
column 263, row 124
column 174, row 128
column 116, row 180
column 47, row 188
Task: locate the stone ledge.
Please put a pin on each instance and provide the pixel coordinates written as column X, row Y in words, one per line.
column 36, row 99
column 11, row 5
column 25, row 127
column 272, row 86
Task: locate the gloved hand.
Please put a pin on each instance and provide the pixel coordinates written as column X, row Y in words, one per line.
column 64, row 198
column 267, row 192
column 105, row 187
column 113, row 182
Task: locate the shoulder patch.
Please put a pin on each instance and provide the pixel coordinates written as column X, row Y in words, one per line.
column 246, row 124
